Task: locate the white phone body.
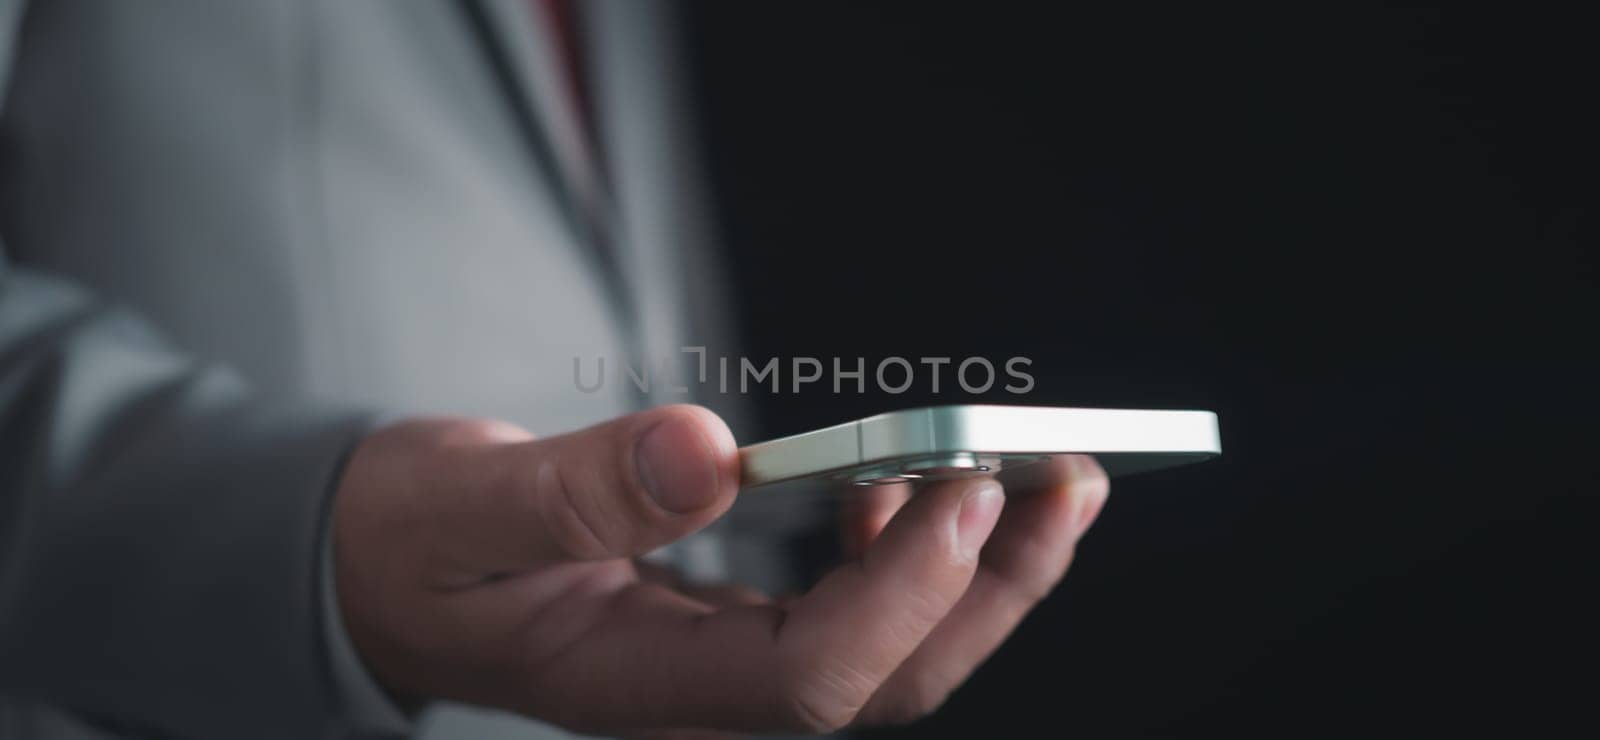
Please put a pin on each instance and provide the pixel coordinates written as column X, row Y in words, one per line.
column 954, row 441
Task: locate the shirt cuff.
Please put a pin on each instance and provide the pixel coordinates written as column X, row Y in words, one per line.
column 365, row 707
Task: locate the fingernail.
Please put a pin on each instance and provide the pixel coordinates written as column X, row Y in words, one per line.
column 980, row 509
column 677, row 467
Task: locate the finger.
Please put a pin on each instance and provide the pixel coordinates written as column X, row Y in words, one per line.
column 617, row 489
column 867, row 511
column 662, row 659
column 726, row 594
column 1026, row 557
column 682, row 734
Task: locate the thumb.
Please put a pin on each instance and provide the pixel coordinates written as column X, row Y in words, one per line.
column 617, row 489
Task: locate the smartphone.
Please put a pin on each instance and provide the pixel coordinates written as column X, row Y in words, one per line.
column 945, row 442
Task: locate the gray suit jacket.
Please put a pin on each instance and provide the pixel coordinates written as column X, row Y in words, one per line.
column 234, row 231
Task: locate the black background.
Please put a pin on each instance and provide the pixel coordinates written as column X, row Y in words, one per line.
column 1361, row 236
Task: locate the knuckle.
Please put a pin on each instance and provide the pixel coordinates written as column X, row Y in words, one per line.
column 631, row 494
column 924, row 608
column 574, row 528
column 824, row 697
column 806, row 715
column 620, row 486
column 922, row 696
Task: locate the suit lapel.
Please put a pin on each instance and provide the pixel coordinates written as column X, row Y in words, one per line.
column 519, row 45
column 532, row 48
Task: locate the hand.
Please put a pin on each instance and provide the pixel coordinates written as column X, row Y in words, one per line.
column 478, row 564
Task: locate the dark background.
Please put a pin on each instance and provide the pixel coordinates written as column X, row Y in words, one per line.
column 1361, row 236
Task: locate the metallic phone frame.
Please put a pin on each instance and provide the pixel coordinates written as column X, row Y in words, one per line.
column 941, row 442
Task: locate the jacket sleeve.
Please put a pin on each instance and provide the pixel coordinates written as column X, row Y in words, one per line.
column 160, row 527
